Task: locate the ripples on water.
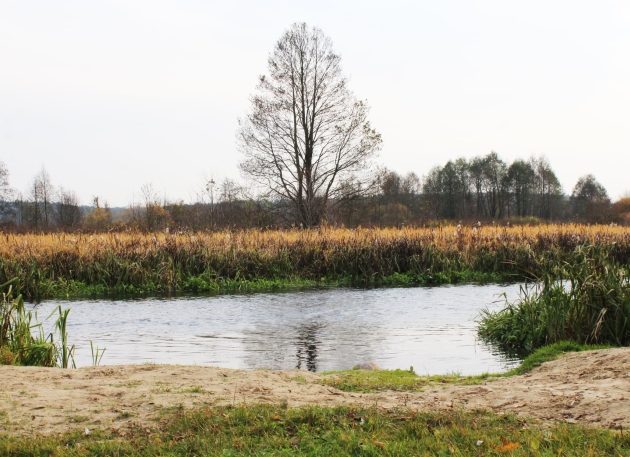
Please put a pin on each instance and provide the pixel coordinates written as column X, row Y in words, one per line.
column 431, row 329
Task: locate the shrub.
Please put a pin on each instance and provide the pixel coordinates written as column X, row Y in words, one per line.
column 586, row 300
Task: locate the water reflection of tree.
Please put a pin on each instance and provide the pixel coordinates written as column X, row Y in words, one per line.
column 306, row 343
column 310, row 331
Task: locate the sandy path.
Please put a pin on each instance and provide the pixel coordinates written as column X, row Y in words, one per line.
column 589, row 388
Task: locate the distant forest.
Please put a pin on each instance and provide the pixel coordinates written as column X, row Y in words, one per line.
column 484, row 189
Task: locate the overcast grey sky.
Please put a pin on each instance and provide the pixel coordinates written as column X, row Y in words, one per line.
column 109, row 95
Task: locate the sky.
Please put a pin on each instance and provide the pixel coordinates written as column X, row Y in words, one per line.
column 110, row 95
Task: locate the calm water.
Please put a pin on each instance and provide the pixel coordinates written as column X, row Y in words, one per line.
column 431, row 329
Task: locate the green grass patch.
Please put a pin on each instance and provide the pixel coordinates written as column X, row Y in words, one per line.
column 314, row 431
column 78, row 419
column 64, row 289
column 206, row 285
column 373, row 380
column 407, row 381
column 551, row 352
column 193, row 390
column 22, row 337
column 200, row 285
column 396, row 380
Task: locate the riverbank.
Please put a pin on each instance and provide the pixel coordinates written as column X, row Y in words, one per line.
column 589, row 388
column 202, row 286
column 79, row 265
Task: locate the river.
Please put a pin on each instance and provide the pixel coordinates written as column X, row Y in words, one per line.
column 432, row 329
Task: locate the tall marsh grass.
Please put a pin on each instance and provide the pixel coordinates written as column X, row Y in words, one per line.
column 586, row 300
column 64, row 264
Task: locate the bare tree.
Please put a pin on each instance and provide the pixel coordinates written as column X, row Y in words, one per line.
column 42, row 190
column 5, row 189
column 6, row 193
column 68, row 213
column 549, row 190
column 231, row 191
column 306, row 132
column 155, row 216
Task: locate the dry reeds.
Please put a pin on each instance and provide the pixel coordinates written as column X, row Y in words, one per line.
column 46, row 264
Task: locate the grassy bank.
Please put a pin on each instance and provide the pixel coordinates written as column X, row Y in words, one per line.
column 586, row 300
column 313, row 431
column 66, row 265
column 202, row 285
column 409, row 381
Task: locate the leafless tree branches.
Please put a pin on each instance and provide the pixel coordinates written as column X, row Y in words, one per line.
column 307, row 134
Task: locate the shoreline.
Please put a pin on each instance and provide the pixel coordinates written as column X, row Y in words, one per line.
column 589, row 388
column 68, row 265
column 75, row 290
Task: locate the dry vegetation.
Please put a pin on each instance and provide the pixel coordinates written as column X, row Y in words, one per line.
column 71, row 264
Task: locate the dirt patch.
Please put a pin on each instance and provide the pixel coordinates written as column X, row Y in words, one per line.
column 588, row 387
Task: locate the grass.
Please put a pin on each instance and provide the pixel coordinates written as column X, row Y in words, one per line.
column 71, row 265
column 551, row 352
column 22, row 338
column 78, row 419
column 396, row 380
column 586, row 300
column 61, row 288
column 130, row 384
column 125, row 415
column 202, row 285
column 315, row 431
column 408, row 381
column 193, row 390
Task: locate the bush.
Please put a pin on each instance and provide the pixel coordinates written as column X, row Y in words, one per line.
column 18, row 344
column 586, row 301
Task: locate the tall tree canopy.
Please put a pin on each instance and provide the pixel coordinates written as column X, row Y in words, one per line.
column 589, row 198
column 487, row 188
column 306, row 135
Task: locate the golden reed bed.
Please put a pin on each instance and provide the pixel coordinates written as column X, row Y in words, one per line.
column 162, row 262
column 441, row 237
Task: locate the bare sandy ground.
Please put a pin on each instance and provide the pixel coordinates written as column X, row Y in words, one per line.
column 591, row 388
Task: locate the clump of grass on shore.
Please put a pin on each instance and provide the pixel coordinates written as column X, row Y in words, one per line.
column 315, row 431
column 357, row 380
column 396, row 380
column 586, row 300
column 551, row 352
column 60, row 265
column 22, row 339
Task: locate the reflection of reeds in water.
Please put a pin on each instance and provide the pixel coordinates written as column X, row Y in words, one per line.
column 586, row 300
column 171, row 262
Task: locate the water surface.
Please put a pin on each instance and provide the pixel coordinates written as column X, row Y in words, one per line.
column 429, row 328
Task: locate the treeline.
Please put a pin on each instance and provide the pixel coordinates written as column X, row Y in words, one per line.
column 487, row 188
column 483, row 189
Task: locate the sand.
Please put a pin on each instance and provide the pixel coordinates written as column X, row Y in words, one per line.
column 591, row 388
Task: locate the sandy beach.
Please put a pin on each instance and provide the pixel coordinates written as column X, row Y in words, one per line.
column 590, row 388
